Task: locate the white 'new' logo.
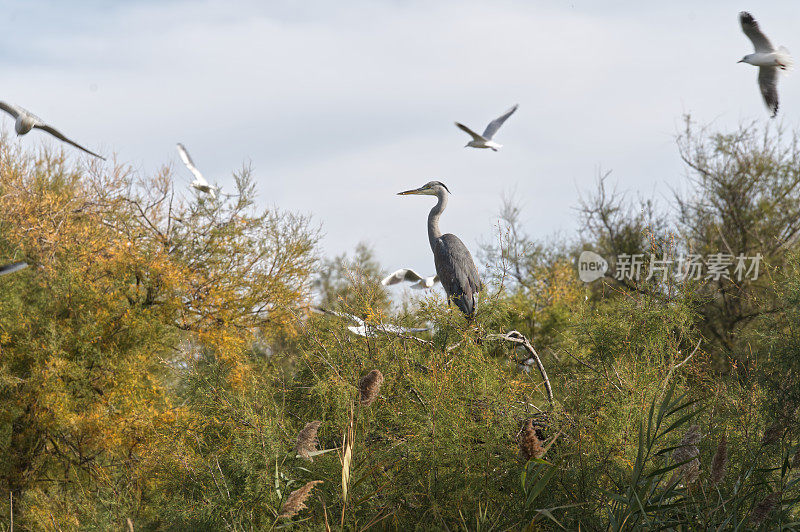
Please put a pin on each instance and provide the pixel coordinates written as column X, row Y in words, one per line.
column 591, row 266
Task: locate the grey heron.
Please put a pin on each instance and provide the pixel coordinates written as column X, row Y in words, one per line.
column 25, row 121
column 409, row 275
column 199, row 182
column 453, row 261
column 767, row 58
column 485, row 140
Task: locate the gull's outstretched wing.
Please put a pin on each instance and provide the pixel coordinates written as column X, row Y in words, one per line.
column 13, row 267
column 389, row 328
column 57, row 134
column 403, row 274
column 753, row 32
column 495, row 124
column 768, row 83
column 469, row 132
column 344, row 315
column 13, row 110
column 190, row 165
column 369, row 330
column 361, row 330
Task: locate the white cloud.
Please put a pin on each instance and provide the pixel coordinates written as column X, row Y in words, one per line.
column 341, row 105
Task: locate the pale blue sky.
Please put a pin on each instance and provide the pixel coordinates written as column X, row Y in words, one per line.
column 339, row 105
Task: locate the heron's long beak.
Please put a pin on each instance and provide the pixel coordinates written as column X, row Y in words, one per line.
column 412, row 191
column 740, row 61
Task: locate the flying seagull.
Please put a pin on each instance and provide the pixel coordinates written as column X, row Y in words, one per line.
column 25, row 121
column 13, row 267
column 199, row 182
column 485, row 140
column 370, row 330
column 406, row 274
column 767, row 58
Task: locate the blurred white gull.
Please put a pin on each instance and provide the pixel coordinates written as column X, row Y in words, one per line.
column 767, row 58
column 25, row 121
column 199, row 182
column 407, row 274
column 485, row 140
column 370, row 330
column 13, row 267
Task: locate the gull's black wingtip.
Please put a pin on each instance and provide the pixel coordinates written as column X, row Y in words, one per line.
column 13, row 267
column 746, row 17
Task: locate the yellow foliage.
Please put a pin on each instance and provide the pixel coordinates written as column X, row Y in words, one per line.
column 119, row 296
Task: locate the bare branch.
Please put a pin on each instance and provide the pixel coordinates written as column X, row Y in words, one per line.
column 519, row 338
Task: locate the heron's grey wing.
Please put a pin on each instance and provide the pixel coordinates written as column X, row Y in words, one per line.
column 13, row 110
column 469, row 132
column 495, row 124
column 768, row 83
column 187, row 160
column 13, row 267
column 403, row 274
column 753, row 32
column 457, row 272
column 57, row 134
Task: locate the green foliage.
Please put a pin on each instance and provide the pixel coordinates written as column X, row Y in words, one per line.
column 341, row 278
column 664, row 492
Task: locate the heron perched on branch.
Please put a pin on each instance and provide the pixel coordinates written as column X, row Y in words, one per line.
column 454, row 265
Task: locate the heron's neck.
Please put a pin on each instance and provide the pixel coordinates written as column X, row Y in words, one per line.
column 433, row 218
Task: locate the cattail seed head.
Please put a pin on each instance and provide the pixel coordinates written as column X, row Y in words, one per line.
column 688, row 452
column 530, row 446
column 772, row 434
column 370, row 386
column 307, row 440
column 719, row 463
column 762, row 510
column 297, row 500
